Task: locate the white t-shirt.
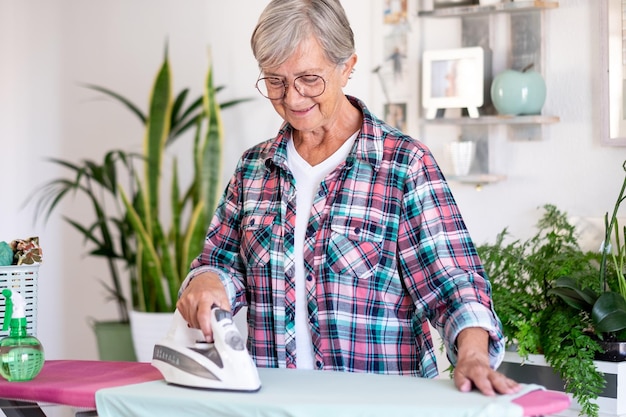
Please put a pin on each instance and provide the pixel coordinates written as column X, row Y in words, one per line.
column 308, row 179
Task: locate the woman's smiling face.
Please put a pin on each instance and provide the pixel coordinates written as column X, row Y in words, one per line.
column 308, row 114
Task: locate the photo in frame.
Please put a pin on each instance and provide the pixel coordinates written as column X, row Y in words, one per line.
column 395, row 115
column 453, row 78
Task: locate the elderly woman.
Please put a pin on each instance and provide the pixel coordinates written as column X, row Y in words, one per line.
column 340, row 234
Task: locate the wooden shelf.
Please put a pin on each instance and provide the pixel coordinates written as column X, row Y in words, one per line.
column 508, row 7
column 477, row 180
column 517, row 33
column 493, row 120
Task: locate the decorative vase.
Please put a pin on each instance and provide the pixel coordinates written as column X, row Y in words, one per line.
column 518, row 92
column 461, row 156
column 146, row 330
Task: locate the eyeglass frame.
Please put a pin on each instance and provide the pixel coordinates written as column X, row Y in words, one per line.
column 286, row 85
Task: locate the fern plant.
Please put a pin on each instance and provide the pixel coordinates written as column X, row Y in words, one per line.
column 534, row 320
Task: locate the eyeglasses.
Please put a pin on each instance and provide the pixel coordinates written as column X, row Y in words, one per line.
column 307, row 85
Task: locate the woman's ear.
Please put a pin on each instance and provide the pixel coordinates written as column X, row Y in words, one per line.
column 348, row 69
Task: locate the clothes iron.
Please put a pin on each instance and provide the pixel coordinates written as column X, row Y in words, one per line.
column 185, row 358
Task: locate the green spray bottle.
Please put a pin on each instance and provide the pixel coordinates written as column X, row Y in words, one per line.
column 21, row 355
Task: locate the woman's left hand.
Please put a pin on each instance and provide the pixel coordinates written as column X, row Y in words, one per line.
column 472, row 369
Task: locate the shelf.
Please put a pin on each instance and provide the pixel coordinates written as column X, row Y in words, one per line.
column 508, row 7
column 477, row 179
column 493, row 120
column 513, row 38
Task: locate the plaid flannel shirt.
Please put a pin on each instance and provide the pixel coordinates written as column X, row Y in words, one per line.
column 386, row 251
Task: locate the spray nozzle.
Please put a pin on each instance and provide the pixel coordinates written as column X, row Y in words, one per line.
column 15, row 307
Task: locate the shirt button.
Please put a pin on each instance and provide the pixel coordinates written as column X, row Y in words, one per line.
column 309, row 277
column 319, row 364
column 357, row 230
column 252, row 221
column 321, row 193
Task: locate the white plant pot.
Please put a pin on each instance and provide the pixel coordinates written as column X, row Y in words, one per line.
column 146, row 330
column 536, row 370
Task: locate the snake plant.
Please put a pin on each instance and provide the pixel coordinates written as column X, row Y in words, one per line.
column 165, row 253
column 129, row 229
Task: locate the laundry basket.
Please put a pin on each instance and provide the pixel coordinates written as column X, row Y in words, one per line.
column 23, row 279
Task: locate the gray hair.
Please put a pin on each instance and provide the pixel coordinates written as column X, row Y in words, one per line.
column 284, row 24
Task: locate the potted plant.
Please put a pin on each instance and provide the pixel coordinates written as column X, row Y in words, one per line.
column 544, row 290
column 604, row 303
column 129, row 229
column 534, row 321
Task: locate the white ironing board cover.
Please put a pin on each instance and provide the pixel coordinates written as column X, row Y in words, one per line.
column 297, row 393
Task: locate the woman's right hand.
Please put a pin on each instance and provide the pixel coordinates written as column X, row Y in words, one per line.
column 196, row 301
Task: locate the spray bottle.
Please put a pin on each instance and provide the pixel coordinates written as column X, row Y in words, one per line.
column 21, row 355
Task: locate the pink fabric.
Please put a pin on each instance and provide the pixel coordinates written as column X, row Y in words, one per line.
column 543, row 403
column 75, row 383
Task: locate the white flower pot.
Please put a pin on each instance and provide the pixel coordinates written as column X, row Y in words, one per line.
column 461, row 156
column 146, row 330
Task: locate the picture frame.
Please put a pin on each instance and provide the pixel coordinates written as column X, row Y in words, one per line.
column 453, row 78
column 613, row 56
column 395, row 115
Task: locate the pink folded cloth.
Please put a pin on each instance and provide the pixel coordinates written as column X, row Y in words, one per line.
column 75, row 383
column 543, row 402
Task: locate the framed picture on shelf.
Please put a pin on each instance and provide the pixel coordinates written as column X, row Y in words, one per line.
column 452, row 78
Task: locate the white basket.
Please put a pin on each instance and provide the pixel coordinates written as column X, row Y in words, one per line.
column 22, row 279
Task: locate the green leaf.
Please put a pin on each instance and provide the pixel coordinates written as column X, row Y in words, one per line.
column 157, row 130
column 149, row 262
column 211, row 153
column 568, row 289
column 609, row 313
column 134, row 109
column 177, row 106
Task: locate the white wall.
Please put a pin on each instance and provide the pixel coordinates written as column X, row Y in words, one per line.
column 49, row 48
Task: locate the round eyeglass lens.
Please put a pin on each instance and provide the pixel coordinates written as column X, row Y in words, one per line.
column 271, row 87
column 274, row 88
column 310, row 85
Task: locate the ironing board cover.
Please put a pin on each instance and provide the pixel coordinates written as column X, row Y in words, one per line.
column 75, row 383
column 298, row 393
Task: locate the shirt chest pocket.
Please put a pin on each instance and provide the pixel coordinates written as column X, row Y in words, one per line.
column 256, row 239
column 355, row 246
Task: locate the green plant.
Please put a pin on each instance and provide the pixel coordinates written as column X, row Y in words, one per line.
column 163, row 255
column 523, row 274
column 128, row 228
column 604, row 303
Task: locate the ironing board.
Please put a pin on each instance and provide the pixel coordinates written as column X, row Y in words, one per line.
column 72, row 383
column 299, row 393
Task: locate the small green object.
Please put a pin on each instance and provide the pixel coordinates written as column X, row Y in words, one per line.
column 6, row 254
column 8, row 309
column 21, row 355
